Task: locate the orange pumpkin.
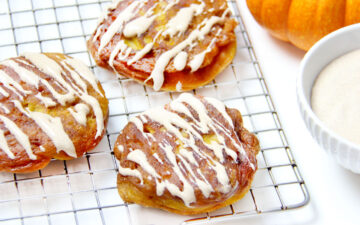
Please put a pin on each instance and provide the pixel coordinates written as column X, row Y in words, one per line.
column 304, row 22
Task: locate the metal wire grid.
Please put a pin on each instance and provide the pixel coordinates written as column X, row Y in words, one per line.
column 83, row 191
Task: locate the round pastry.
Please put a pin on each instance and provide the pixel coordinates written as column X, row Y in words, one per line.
column 51, row 106
column 168, row 45
column 190, row 157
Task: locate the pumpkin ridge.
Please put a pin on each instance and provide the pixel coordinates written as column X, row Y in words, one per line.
column 304, row 22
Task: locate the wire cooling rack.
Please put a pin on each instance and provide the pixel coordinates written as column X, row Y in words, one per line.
column 83, row 191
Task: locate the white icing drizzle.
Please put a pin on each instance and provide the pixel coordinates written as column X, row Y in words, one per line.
column 95, row 105
column 4, row 146
column 148, row 47
column 157, row 75
column 198, row 59
column 119, row 47
column 80, row 113
column 126, row 15
column 20, row 136
column 141, row 53
column 3, row 92
column 4, row 108
column 48, row 102
column 205, row 124
column 121, row 148
column 180, row 22
column 180, row 60
column 84, row 72
column 51, row 68
column 42, row 149
column 46, row 65
column 189, row 156
column 210, row 22
column 188, row 134
column 98, row 30
column 127, row 53
column 175, row 26
column 24, row 74
column 204, row 187
column 53, row 128
column 197, row 105
column 140, row 158
column 138, row 123
column 130, row 172
column 222, row 177
column 221, row 108
column 138, row 26
column 187, row 194
column 178, row 86
column 170, row 5
column 122, row 51
column 104, row 16
column 156, row 156
column 12, row 85
column 76, row 86
column 29, row 77
column 114, row 4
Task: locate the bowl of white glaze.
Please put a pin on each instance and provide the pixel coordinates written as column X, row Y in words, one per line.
column 328, row 49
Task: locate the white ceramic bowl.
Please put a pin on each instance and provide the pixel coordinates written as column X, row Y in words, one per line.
column 336, row 44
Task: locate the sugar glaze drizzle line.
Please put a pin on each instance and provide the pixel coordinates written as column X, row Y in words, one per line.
column 53, row 69
column 20, row 136
column 4, row 108
column 51, row 126
column 127, row 14
column 157, row 74
column 177, row 25
column 189, row 137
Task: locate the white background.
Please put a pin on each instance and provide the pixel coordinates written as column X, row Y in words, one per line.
column 334, row 191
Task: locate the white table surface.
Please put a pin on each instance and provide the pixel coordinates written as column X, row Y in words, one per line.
column 334, row 191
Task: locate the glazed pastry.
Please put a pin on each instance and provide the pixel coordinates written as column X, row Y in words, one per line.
column 51, row 106
column 189, row 157
column 166, row 44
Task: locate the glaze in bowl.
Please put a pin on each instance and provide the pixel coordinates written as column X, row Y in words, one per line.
column 332, row 46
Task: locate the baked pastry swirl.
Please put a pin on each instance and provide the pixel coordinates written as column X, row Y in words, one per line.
column 192, row 156
column 167, row 44
column 51, row 106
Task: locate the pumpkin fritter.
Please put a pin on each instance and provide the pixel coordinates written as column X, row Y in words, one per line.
column 51, row 106
column 190, row 157
column 168, row 45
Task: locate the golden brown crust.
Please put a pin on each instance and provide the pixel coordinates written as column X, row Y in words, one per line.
column 83, row 137
column 188, row 80
column 240, row 171
column 218, row 57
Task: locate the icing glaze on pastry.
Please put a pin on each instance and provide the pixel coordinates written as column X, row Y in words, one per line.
column 188, row 120
column 69, row 74
column 128, row 24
